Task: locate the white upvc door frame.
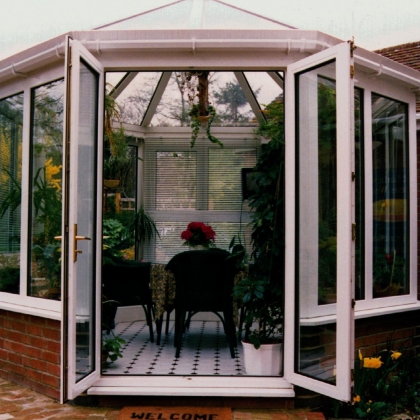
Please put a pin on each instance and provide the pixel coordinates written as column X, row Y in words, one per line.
column 343, row 56
column 71, row 386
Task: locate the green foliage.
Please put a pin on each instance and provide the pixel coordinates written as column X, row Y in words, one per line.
column 238, row 252
column 196, row 124
column 143, row 226
column 47, row 204
column 115, row 139
column 9, row 273
column 9, row 279
column 13, row 199
column 113, row 233
column 391, row 271
column 111, row 348
column 385, row 385
column 48, row 258
column 122, row 230
column 262, row 291
column 234, row 98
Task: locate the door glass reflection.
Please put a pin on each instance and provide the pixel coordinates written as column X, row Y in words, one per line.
column 317, row 219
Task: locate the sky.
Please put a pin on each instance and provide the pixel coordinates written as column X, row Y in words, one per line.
column 374, row 24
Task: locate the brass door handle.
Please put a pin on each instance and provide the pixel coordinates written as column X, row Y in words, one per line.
column 82, row 238
column 75, row 239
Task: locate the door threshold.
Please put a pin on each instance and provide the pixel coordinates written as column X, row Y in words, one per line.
column 193, row 386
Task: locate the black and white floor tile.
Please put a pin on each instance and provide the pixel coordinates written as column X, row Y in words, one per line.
column 204, row 351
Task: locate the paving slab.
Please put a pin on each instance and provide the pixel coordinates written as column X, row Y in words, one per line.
column 20, row 403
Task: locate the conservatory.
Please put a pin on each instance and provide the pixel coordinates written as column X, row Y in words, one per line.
column 130, row 124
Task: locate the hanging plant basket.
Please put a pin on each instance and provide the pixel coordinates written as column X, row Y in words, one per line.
column 202, row 114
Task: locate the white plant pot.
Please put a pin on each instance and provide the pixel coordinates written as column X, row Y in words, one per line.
column 266, row 361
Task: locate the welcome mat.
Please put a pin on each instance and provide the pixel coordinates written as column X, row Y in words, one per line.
column 175, row 413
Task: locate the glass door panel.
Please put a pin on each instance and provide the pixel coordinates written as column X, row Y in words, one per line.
column 319, row 199
column 84, row 227
column 317, row 217
column 84, row 230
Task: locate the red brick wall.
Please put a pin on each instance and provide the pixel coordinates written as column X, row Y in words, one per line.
column 30, row 352
column 372, row 334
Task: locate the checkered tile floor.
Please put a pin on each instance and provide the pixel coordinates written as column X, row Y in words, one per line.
column 204, row 352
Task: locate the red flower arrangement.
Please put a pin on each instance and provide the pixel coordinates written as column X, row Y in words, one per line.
column 198, row 233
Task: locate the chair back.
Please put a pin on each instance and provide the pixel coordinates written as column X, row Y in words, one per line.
column 204, row 280
column 127, row 283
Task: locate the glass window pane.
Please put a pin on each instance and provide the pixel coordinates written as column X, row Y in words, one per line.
column 360, row 180
column 176, row 180
column 46, row 187
column 231, row 103
column 170, row 242
column 390, row 197
column 317, row 218
column 327, row 192
column 200, row 185
column 134, row 99
column 225, row 94
column 225, row 170
column 11, row 117
column 265, row 89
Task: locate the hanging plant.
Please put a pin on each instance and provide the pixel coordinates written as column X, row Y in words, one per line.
column 115, row 138
column 196, row 86
column 197, row 121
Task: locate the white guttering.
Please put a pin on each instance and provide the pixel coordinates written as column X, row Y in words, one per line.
column 20, row 68
column 31, row 62
column 383, row 66
column 301, row 45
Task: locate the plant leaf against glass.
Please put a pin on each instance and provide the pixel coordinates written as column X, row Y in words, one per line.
column 13, row 199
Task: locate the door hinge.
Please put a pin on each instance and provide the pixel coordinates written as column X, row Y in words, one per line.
column 353, row 176
column 353, row 231
column 351, row 72
column 352, row 47
column 353, row 303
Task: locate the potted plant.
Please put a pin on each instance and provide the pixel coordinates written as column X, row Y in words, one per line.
column 111, row 344
column 261, row 293
column 198, row 236
column 144, row 229
column 111, row 348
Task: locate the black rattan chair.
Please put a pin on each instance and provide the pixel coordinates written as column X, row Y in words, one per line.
column 204, row 283
column 128, row 284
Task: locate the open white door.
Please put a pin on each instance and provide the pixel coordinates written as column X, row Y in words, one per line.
column 82, row 238
column 319, row 222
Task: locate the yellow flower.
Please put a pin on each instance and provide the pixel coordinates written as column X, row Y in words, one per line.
column 372, row 362
column 356, row 399
column 360, row 355
column 50, row 171
column 395, row 355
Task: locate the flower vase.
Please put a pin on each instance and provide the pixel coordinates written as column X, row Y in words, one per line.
column 198, row 248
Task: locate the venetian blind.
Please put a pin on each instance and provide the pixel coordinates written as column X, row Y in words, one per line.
column 202, row 184
column 11, row 116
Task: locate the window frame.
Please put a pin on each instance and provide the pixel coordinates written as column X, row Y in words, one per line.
column 22, row 303
column 369, row 306
column 398, row 93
